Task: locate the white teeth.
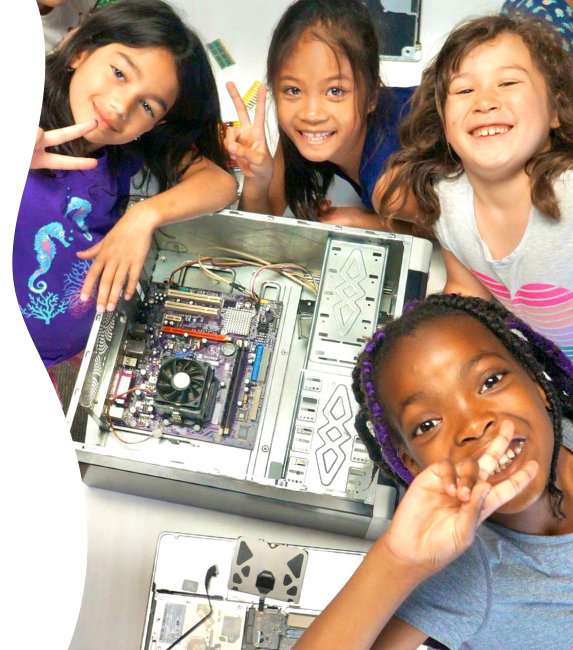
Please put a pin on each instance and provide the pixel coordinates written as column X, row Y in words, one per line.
column 508, row 458
column 316, row 137
column 484, row 131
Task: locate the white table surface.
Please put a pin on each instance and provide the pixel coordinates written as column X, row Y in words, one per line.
column 122, row 538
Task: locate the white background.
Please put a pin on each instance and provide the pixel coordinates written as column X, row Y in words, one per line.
column 43, row 551
column 245, row 27
column 44, row 530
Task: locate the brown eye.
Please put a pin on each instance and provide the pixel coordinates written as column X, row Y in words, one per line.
column 491, row 381
column 147, row 108
column 118, row 73
column 426, row 426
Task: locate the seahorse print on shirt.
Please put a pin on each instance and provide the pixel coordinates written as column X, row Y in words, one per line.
column 81, row 208
column 45, row 248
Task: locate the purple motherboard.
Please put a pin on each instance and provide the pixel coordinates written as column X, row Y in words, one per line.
column 194, row 366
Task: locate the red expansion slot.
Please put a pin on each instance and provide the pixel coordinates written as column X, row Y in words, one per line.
column 197, row 335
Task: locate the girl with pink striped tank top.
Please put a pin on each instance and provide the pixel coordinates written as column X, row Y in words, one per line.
column 487, row 162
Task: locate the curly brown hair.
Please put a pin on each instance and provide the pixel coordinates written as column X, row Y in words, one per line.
column 425, row 156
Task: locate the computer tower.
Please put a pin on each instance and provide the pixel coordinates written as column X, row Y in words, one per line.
column 227, row 384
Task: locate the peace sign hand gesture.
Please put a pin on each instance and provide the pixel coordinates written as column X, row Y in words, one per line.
column 247, row 144
column 438, row 517
column 41, row 159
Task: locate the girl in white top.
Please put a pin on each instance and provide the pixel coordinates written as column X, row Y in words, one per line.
column 485, row 160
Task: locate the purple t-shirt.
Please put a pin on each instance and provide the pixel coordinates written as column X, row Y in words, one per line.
column 58, row 217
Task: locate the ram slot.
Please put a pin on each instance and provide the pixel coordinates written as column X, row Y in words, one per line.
column 234, row 390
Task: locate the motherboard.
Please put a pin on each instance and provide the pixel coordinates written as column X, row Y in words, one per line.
column 231, row 626
column 194, row 366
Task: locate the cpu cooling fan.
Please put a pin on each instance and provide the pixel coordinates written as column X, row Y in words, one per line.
column 186, row 390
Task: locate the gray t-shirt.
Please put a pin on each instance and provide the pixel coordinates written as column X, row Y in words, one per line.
column 508, row 590
column 61, row 19
column 535, row 281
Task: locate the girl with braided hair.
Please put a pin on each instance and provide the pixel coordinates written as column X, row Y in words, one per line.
column 469, row 409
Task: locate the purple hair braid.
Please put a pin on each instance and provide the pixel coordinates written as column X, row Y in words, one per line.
column 538, row 341
column 375, row 411
column 389, row 453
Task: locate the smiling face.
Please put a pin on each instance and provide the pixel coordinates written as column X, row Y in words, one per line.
column 497, row 111
column 127, row 90
column 447, row 389
column 318, row 104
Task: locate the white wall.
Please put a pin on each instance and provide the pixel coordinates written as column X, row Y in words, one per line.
column 245, row 27
column 438, row 19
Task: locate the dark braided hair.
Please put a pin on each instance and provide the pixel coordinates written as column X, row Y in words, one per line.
column 548, row 365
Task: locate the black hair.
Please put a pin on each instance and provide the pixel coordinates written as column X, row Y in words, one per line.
column 192, row 123
column 546, row 363
column 347, row 28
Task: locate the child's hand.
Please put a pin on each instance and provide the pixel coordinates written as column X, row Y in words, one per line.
column 41, row 159
column 120, row 254
column 438, row 517
column 247, row 144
